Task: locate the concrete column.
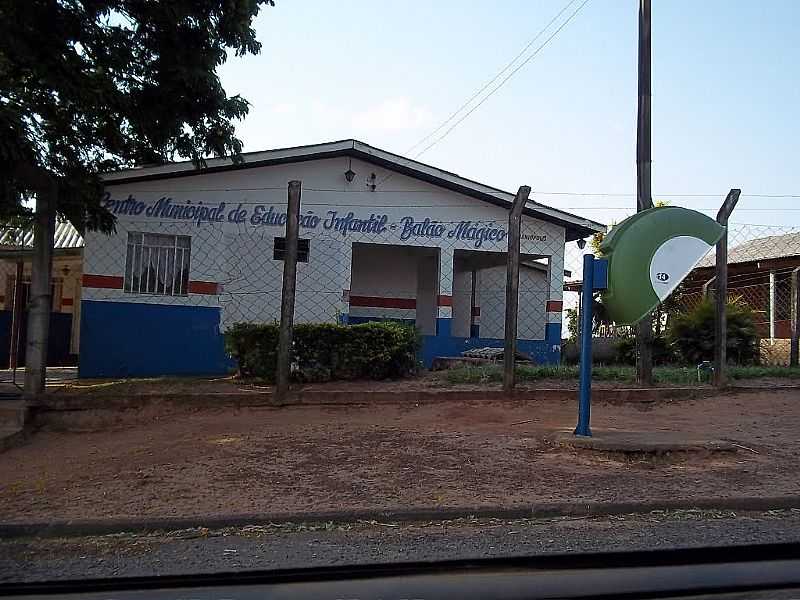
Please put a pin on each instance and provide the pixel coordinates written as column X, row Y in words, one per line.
column 475, row 307
column 444, row 301
column 555, row 302
column 346, row 269
column 462, row 300
column 427, row 290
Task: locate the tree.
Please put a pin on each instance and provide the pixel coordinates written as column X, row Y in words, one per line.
column 92, row 86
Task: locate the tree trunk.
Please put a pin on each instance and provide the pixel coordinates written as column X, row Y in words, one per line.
column 40, row 295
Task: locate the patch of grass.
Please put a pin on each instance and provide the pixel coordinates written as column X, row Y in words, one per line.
column 613, row 373
column 488, row 374
column 756, row 372
column 529, row 373
column 677, row 375
column 625, row 374
column 535, row 372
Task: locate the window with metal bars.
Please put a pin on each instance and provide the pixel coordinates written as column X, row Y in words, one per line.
column 157, row 264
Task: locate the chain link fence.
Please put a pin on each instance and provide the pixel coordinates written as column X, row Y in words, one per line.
column 357, row 265
column 342, row 276
column 761, row 259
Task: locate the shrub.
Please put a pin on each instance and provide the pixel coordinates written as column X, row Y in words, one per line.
column 626, row 351
column 691, row 334
column 324, row 352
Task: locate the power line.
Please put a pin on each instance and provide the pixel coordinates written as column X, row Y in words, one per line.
column 491, row 81
column 496, row 88
column 622, row 195
column 504, row 80
column 258, row 202
column 699, row 208
column 437, row 191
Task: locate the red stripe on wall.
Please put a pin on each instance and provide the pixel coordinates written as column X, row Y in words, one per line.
column 66, row 302
column 444, row 300
column 376, row 302
column 555, row 306
column 203, row 287
column 109, row 282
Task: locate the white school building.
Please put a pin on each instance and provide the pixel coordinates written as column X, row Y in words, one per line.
column 381, row 237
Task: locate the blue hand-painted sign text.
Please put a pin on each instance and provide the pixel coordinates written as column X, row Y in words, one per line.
column 259, row 215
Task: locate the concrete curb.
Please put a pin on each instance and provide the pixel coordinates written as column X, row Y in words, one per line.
column 535, row 511
column 11, row 439
column 312, row 397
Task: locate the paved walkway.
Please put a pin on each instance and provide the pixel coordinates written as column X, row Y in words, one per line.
column 11, row 382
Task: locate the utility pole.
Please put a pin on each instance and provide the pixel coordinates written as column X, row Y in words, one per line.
column 644, row 197
column 40, row 294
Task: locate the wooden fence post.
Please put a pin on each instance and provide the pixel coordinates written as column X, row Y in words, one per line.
column 287, row 293
column 512, row 287
column 707, row 288
column 721, row 276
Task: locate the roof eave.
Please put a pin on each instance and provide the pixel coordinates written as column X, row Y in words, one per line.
column 575, row 227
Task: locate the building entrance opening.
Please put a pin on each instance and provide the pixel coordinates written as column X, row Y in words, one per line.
column 398, row 283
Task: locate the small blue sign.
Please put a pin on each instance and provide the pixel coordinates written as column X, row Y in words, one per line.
column 600, row 276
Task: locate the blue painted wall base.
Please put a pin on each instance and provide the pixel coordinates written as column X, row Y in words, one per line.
column 127, row 339
column 547, row 351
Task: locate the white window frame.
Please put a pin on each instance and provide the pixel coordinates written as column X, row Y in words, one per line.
column 172, row 254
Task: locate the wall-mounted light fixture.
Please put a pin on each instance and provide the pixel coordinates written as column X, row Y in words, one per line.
column 349, row 175
column 581, row 244
column 371, row 182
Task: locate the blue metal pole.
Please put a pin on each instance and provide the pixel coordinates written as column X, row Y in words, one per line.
column 585, row 395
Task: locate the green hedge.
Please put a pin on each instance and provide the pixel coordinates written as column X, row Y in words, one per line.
column 325, row 352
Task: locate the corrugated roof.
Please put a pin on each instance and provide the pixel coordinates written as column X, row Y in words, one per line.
column 766, row 248
column 66, row 236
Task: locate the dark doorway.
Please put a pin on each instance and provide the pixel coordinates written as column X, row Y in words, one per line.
column 58, row 347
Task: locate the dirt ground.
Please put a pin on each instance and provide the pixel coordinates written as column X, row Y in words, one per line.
column 315, row 458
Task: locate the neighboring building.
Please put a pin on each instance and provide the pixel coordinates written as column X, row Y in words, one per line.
column 759, row 274
column 382, row 237
column 16, row 248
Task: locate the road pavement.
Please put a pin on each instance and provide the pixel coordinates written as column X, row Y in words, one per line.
column 303, row 545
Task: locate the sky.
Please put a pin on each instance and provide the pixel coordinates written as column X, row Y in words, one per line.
column 724, row 105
